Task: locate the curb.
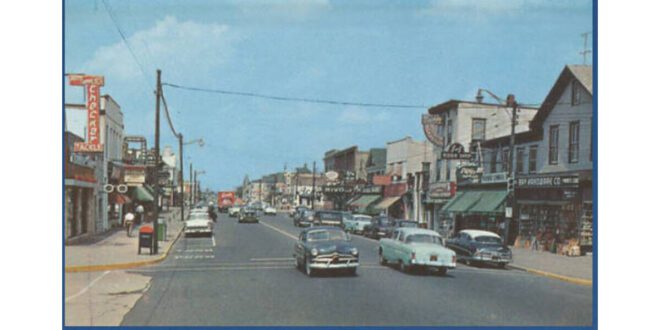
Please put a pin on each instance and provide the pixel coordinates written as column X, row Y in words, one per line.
column 127, row 265
column 568, row 279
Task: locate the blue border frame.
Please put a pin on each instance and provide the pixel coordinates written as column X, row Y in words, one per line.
column 594, row 138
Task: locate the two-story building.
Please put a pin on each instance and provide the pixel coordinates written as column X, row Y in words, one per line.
column 553, row 166
column 465, row 124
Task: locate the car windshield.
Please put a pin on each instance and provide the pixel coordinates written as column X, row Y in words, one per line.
column 384, row 222
column 408, row 224
column 326, row 235
column 329, row 216
column 361, row 218
column 488, row 239
column 198, row 216
column 423, row 238
column 347, row 217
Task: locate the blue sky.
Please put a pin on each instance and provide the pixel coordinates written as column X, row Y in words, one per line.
column 396, row 52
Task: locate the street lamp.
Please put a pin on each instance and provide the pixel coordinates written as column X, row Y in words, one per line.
column 510, row 102
column 195, row 185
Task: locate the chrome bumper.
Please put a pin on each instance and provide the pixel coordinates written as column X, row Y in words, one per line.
column 325, row 265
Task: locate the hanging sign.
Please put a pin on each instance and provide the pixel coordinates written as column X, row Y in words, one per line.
column 92, row 86
column 430, row 124
column 456, row 151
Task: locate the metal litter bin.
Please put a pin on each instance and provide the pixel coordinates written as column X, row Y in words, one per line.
column 146, row 239
column 162, row 230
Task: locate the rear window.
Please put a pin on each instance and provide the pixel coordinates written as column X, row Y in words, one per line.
column 329, row 216
column 488, row 239
column 423, row 238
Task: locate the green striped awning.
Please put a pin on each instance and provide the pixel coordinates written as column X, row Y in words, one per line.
column 462, row 202
column 142, row 194
column 490, row 202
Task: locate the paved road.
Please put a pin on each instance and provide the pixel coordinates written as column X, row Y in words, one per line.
column 245, row 275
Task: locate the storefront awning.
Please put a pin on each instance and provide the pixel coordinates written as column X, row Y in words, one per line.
column 387, row 202
column 142, row 194
column 462, row 202
column 490, row 202
column 119, row 199
column 364, row 201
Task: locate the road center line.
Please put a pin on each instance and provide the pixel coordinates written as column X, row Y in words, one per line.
column 87, row 287
column 272, row 259
column 213, row 240
column 279, row 231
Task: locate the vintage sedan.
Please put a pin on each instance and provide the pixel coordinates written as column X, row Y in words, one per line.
column 269, row 210
column 381, row 226
column 198, row 226
column 328, row 218
column 325, row 247
column 412, row 248
column 357, row 223
column 233, row 211
column 479, row 246
column 248, row 214
column 304, row 218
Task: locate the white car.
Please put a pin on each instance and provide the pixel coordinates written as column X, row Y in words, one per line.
column 233, row 211
column 198, row 226
column 416, row 248
column 269, row 210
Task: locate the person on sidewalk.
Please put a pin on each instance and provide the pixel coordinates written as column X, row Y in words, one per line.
column 140, row 213
column 128, row 222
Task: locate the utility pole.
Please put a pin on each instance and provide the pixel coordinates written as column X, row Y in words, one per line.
column 157, row 147
column 313, row 183
column 181, row 173
column 295, row 191
column 511, row 102
column 190, row 186
column 194, row 185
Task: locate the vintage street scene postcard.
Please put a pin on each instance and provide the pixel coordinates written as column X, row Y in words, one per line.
column 329, row 163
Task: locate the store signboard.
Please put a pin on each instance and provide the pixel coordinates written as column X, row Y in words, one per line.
column 499, row 177
column 456, row 151
column 442, row 190
column 92, row 86
column 468, row 173
column 431, row 124
column 134, row 175
column 548, row 181
column 369, row 189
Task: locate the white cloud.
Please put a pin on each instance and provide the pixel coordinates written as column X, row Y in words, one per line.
column 358, row 115
column 487, row 8
column 170, row 45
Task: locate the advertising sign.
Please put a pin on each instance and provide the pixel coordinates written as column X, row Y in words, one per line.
column 226, row 198
column 332, row 175
column 456, row 151
column 134, row 175
column 442, row 190
column 548, row 181
column 468, row 173
column 92, row 86
column 430, row 124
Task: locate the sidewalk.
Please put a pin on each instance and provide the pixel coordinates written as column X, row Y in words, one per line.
column 117, row 251
column 578, row 270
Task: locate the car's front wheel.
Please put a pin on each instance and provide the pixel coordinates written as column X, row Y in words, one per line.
column 381, row 258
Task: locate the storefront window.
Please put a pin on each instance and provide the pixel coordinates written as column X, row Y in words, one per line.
column 533, row 150
column 520, row 157
column 573, row 140
column 553, row 156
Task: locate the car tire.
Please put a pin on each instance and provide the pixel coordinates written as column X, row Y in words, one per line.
column 501, row 265
column 402, row 267
column 442, row 271
column 381, row 258
column 352, row 271
column 308, row 270
column 298, row 264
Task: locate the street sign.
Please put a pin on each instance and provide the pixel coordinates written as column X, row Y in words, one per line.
column 508, row 212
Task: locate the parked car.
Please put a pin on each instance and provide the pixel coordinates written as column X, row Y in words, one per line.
column 248, row 214
column 357, row 223
column 480, row 246
column 297, row 210
column 233, row 211
column 325, row 247
column 198, row 226
column 406, row 224
column 303, row 218
column 381, row 226
column 269, row 210
column 412, row 248
column 328, row 218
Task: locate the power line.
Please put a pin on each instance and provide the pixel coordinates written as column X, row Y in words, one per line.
column 167, row 114
column 295, row 99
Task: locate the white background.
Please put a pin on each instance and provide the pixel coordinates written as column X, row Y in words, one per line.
column 629, row 194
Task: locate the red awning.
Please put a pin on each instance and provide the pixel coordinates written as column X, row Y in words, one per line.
column 119, row 199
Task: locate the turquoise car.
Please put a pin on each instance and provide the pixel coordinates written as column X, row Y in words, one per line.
column 355, row 224
column 416, row 248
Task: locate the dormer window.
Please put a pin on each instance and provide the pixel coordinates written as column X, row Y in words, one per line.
column 576, row 93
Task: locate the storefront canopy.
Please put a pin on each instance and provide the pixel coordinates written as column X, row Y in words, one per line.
column 364, row 201
column 481, row 201
column 142, row 194
column 119, row 199
column 387, row 202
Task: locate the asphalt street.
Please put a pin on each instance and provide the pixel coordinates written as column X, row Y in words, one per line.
column 245, row 275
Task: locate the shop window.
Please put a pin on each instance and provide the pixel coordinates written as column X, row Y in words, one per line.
column 520, row 157
column 533, row 150
column 574, row 142
column 505, row 160
column 553, row 141
column 449, row 132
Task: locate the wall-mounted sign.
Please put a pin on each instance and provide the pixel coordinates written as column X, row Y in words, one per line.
column 548, row 181
column 332, row 175
column 456, row 151
column 430, row 124
column 499, row 177
column 92, row 85
column 134, row 175
column 369, row 189
column 468, row 173
column 442, row 190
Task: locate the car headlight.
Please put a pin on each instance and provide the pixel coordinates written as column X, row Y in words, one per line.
column 354, row 251
column 314, row 252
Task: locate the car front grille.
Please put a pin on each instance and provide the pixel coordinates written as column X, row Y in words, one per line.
column 335, row 258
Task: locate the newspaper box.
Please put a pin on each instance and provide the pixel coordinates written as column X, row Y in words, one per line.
column 146, row 239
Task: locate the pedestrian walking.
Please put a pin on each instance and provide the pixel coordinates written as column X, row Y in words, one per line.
column 128, row 223
column 140, row 212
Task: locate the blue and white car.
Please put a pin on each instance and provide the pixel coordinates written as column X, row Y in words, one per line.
column 357, row 223
column 412, row 248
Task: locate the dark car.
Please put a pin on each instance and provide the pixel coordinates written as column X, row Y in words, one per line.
column 325, row 247
column 479, row 246
column 299, row 209
column 304, row 218
column 248, row 214
column 328, row 218
column 381, row 226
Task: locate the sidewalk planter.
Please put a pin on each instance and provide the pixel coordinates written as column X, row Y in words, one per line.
column 146, row 239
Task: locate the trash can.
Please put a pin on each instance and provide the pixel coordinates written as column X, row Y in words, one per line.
column 162, row 230
column 146, row 239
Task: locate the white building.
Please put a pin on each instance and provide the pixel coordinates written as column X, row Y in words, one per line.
column 469, row 124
